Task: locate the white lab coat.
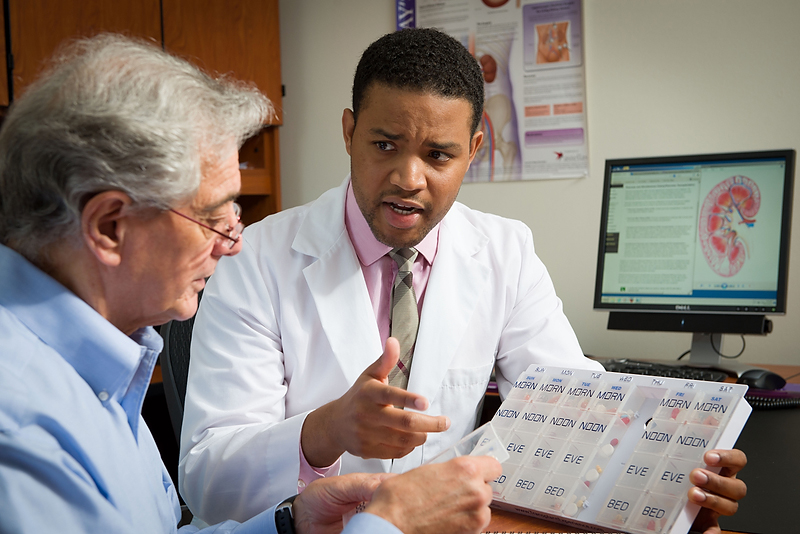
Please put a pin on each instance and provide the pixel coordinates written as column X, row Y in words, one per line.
column 287, row 325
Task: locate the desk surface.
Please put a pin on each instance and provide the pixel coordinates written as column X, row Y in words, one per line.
column 505, row 521
column 771, row 440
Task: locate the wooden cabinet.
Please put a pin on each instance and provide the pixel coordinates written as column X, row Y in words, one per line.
column 38, row 27
column 239, row 37
column 261, row 184
column 236, row 36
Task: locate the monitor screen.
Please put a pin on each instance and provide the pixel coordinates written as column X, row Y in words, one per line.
column 698, row 234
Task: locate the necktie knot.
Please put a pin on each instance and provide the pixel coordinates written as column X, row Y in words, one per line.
column 404, row 257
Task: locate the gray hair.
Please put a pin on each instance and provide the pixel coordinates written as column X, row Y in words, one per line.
column 114, row 113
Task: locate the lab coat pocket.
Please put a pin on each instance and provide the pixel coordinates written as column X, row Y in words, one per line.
column 460, row 395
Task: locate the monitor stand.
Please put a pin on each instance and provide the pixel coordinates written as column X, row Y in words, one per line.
column 704, row 355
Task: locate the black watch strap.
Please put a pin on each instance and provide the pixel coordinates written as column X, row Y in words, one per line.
column 284, row 519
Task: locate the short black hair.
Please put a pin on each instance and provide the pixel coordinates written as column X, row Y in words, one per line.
column 425, row 60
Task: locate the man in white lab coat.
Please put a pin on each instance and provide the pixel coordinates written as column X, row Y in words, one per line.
column 284, row 385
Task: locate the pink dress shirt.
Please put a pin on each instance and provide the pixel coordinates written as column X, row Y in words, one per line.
column 379, row 269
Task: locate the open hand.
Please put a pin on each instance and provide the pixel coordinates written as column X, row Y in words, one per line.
column 366, row 422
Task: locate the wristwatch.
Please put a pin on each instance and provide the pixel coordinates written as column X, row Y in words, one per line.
column 284, row 520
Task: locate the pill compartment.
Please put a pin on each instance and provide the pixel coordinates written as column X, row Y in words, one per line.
column 574, row 458
column 654, row 513
column 507, row 415
column 524, row 485
column 576, row 501
column 554, row 492
column 610, row 397
column 692, row 441
column 501, row 483
column 604, row 451
column 677, row 403
column 619, row 426
column 639, row 471
column 618, row 507
column 592, row 427
column 657, row 436
column 589, row 476
column 672, row 477
column 518, row 445
column 534, row 417
column 525, row 387
column 545, row 453
column 569, row 504
column 562, row 422
column 634, row 403
column 483, row 441
column 552, row 388
column 714, row 409
column 581, row 391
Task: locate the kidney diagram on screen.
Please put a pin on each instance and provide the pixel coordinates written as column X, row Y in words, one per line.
column 728, row 211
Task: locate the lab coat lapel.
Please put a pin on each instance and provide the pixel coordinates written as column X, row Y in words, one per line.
column 337, row 286
column 456, row 284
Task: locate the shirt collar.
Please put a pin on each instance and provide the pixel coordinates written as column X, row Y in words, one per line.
column 369, row 249
column 110, row 362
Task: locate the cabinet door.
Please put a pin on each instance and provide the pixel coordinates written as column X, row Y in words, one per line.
column 236, row 36
column 38, row 27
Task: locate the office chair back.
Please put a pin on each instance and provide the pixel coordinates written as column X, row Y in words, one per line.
column 175, row 367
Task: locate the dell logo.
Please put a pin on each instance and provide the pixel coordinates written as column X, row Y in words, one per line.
column 682, row 307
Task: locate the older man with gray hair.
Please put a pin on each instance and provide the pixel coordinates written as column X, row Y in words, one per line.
column 118, row 176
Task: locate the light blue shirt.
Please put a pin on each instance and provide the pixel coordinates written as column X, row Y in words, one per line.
column 75, row 453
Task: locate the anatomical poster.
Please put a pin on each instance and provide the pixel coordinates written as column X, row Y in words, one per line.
column 531, row 53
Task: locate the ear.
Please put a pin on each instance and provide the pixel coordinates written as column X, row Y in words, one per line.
column 474, row 144
column 103, row 225
column 348, row 127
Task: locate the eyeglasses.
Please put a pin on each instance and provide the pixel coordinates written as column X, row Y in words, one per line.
column 234, row 232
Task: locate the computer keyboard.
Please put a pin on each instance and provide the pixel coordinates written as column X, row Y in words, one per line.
column 637, row 367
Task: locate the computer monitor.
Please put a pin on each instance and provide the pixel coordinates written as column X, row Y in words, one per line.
column 696, row 243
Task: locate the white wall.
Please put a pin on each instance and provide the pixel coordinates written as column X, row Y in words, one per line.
column 667, row 77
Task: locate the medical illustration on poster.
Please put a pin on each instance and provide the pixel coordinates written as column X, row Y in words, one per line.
column 531, row 53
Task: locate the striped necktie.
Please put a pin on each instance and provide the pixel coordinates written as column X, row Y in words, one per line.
column 405, row 317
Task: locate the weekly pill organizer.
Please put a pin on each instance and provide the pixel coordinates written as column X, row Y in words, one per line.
column 589, row 448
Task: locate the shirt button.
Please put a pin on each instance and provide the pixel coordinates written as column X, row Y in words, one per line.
column 301, row 484
column 103, row 396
